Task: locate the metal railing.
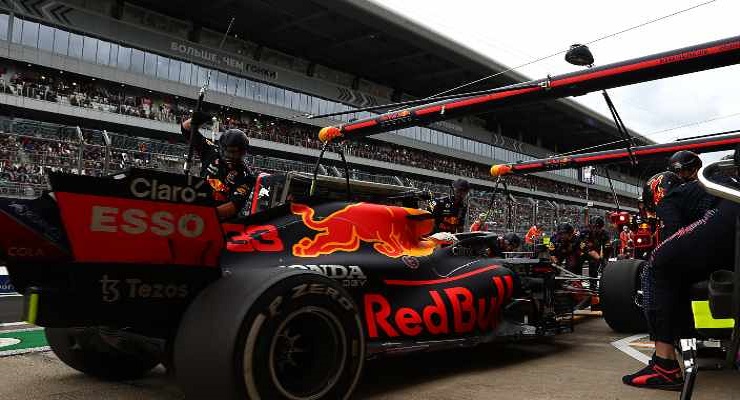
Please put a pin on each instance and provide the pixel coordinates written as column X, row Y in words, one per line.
column 39, row 147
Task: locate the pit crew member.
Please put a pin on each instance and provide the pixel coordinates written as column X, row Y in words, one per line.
column 508, row 243
column 595, row 244
column 479, row 224
column 565, row 248
column 223, row 165
column 690, row 255
column 533, row 235
column 449, row 212
column 625, row 237
column 685, row 164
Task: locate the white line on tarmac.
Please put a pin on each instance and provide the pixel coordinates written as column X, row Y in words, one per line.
column 623, row 345
column 4, row 324
column 11, row 295
column 24, row 351
column 29, row 329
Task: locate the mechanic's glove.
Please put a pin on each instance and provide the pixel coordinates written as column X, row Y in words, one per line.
column 443, row 238
column 199, row 118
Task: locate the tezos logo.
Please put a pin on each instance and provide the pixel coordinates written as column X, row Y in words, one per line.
column 153, row 190
column 113, row 290
column 350, row 276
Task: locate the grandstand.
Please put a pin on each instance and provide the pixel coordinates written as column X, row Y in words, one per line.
column 96, row 87
column 29, row 150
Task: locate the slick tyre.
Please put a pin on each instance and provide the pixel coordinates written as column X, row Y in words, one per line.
column 619, row 285
column 90, row 350
column 270, row 334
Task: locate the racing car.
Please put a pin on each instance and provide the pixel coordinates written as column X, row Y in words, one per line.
column 131, row 271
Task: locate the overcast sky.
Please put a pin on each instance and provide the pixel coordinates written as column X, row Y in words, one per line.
column 516, row 32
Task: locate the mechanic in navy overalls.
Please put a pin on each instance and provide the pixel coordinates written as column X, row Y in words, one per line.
column 500, row 245
column 223, row 166
column 693, row 249
column 565, row 248
column 449, row 212
column 595, row 244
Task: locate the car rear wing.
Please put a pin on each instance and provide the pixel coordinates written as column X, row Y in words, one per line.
column 129, row 250
column 139, row 217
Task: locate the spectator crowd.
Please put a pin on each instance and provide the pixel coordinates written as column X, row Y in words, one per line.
column 75, row 90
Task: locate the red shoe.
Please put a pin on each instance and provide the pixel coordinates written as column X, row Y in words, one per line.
column 667, row 377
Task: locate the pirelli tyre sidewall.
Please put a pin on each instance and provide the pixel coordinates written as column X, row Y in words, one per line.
column 327, row 355
column 287, row 334
column 619, row 284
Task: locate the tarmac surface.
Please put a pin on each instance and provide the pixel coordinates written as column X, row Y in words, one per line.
column 10, row 308
column 582, row 365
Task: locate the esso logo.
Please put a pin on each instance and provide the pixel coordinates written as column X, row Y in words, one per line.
column 135, row 221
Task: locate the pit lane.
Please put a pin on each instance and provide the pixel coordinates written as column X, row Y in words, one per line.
column 582, row 365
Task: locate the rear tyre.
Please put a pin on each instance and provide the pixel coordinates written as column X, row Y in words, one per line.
column 298, row 336
column 98, row 353
column 619, row 285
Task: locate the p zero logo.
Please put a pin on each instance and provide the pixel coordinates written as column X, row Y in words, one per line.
column 112, row 229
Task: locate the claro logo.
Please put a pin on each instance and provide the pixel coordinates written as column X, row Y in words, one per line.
column 136, row 221
column 144, row 189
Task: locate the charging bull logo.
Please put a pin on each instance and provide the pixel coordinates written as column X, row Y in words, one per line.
column 219, row 189
column 393, row 231
column 656, row 188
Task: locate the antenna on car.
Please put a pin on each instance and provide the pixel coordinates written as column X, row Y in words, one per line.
column 199, row 103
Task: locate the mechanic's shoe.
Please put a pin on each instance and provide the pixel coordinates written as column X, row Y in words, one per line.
column 659, row 374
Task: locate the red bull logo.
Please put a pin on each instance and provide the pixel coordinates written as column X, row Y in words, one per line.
column 388, row 228
column 219, row 189
column 450, row 310
column 395, row 115
column 657, row 189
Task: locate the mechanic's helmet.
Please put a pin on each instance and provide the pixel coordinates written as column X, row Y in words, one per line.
column 684, row 160
column 565, row 227
column 512, row 239
column 596, row 221
column 233, row 145
column 657, row 187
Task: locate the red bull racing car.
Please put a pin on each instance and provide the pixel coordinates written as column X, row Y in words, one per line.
column 134, row 270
